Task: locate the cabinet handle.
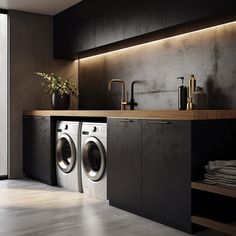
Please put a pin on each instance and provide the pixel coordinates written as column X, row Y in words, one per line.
column 125, row 121
column 159, row 122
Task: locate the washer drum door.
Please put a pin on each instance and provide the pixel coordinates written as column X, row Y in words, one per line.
column 65, row 153
column 93, row 159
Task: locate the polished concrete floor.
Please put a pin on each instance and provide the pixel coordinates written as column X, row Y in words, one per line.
column 29, row 208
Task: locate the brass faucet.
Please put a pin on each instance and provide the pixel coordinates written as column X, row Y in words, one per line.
column 123, row 102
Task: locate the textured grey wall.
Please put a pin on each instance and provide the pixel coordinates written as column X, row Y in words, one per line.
column 31, row 50
column 209, row 54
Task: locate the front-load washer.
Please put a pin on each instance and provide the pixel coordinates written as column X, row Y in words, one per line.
column 68, row 162
column 93, row 159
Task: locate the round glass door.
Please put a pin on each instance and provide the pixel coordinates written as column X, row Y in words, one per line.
column 93, row 159
column 65, row 153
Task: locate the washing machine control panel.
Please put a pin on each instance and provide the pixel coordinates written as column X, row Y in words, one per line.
column 89, row 130
column 99, row 129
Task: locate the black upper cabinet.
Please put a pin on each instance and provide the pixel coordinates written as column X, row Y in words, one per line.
column 222, row 6
column 85, row 20
column 124, row 164
column 166, row 172
column 74, row 30
column 92, row 24
column 109, row 21
column 64, row 33
column 178, row 12
column 142, row 17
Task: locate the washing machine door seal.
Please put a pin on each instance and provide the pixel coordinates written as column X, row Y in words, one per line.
column 65, row 153
column 93, row 159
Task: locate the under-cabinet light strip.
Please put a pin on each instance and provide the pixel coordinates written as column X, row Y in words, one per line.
column 158, row 41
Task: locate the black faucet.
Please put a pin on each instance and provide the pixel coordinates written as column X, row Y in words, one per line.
column 132, row 103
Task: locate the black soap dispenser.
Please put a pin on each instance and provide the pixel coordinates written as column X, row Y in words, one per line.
column 182, row 95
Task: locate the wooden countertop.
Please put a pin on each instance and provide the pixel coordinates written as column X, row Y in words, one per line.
column 140, row 114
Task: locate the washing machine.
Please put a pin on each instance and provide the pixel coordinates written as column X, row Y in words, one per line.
column 93, row 159
column 68, row 161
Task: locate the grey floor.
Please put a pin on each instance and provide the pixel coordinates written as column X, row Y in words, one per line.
column 31, row 208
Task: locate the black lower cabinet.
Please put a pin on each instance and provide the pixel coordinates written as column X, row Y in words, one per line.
column 124, row 164
column 38, row 161
column 166, row 172
column 149, row 169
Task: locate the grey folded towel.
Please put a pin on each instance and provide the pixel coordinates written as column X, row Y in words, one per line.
column 214, row 177
column 215, row 182
column 221, row 173
column 223, row 170
column 223, row 176
column 219, row 164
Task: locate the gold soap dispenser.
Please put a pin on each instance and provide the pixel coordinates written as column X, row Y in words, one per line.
column 191, row 89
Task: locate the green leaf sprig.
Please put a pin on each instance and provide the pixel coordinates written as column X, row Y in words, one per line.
column 53, row 83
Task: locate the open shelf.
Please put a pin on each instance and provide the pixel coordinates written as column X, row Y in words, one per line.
column 215, row 225
column 214, row 189
column 209, row 223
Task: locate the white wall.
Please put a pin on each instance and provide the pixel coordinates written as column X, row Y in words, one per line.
column 3, row 94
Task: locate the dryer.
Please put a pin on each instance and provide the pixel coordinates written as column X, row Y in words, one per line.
column 68, row 162
column 93, row 159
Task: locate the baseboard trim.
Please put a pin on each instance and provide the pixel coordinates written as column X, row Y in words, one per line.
column 2, row 177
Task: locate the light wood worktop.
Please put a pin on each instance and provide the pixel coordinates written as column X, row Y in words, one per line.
column 140, row 114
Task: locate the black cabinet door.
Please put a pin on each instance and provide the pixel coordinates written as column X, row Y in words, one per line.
column 166, row 175
column 142, row 17
column 109, row 20
column 37, row 160
column 65, row 44
column 84, row 36
column 74, row 30
column 124, row 164
column 222, row 6
column 178, row 12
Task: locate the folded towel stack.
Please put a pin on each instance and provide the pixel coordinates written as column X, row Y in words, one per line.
column 221, row 173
